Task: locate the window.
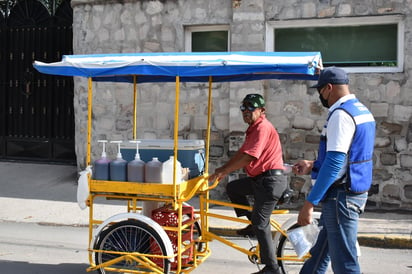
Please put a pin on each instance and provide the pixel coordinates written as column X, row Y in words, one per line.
column 207, row 38
column 363, row 44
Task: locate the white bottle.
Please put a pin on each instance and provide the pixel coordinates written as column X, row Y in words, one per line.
column 167, row 171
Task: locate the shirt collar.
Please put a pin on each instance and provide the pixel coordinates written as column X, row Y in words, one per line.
column 258, row 121
column 341, row 101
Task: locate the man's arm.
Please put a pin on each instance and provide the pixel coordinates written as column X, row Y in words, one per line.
column 328, row 174
column 238, row 161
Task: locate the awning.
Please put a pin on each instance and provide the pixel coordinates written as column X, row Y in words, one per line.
column 190, row 67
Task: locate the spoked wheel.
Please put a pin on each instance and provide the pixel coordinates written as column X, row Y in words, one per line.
column 288, row 261
column 132, row 239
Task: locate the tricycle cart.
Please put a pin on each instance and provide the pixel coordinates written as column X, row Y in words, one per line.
column 176, row 238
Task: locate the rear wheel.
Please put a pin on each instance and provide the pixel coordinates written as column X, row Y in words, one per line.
column 125, row 239
column 288, row 261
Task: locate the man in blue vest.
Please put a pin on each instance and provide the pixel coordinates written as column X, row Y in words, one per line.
column 342, row 175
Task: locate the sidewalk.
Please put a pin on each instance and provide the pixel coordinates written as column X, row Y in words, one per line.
column 46, row 194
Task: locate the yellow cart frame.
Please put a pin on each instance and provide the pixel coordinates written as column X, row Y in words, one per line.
column 241, row 66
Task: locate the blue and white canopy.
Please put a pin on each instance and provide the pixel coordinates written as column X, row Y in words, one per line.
column 190, row 67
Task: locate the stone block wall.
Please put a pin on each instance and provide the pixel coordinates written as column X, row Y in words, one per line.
column 116, row 26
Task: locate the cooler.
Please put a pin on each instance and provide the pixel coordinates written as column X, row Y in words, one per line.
column 190, row 152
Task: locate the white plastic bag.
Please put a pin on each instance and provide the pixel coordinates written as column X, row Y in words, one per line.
column 83, row 188
column 303, row 238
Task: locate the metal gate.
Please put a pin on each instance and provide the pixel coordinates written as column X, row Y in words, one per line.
column 37, row 119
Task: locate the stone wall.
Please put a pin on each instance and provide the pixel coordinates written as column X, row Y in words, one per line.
column 158, row 26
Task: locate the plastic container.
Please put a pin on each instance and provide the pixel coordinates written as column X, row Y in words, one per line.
column 135, row 168
column 190, row 153
column 153, row 174
column 101, row 166
column 153, row 171
column 118, row 166
column 167, row 171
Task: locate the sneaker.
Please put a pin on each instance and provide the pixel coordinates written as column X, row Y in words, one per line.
column 247, row 231
column 269, row 270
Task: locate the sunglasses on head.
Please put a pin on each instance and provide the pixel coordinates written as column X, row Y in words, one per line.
column 250, row 108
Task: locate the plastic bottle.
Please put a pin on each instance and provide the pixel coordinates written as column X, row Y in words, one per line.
column 101, row 166
column 135, row 168
column 153, row 171
column 153, row 174
column 167, row 171
column 118, row 166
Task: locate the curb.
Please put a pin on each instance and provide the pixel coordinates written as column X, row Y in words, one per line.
column 386, row 241
column 368, row 240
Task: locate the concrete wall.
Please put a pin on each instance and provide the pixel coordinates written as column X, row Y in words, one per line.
column 156, row 26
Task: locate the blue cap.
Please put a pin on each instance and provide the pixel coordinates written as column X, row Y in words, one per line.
column 332, row 75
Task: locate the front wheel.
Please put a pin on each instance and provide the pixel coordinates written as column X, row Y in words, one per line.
column 125, row 245
column 288, row 261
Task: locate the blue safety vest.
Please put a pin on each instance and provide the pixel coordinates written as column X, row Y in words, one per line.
column 358, row 177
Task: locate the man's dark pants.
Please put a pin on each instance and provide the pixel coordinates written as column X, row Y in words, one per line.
column 266, row 191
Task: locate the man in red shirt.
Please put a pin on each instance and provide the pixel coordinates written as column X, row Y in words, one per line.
column 261, row 157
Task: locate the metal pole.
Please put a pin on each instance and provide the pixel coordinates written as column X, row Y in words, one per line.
column 89, row 119
column 209, row 118
column 176, row 135
column 134, row 107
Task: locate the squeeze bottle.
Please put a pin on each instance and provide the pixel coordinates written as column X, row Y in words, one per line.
column 101, row 166
column 118, row 166
column 135, row 168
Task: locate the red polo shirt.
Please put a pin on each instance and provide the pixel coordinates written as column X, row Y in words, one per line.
column 262, row 142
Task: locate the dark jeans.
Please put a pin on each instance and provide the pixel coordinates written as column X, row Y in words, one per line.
column 266, row 191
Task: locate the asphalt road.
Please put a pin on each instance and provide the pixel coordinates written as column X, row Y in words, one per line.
column 29, row 248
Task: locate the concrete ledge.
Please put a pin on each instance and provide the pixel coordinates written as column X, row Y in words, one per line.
column 369, row 240
column 385, row 241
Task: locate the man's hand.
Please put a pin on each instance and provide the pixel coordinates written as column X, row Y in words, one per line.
column 219, row 174
column 305, row 214
column 303, row 167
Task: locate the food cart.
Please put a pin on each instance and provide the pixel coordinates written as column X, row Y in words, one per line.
column 178, row 240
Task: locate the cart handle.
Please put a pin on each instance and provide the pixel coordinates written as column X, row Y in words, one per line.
column 214, row 185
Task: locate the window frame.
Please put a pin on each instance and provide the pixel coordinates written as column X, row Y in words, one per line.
column 347, row 21
column 204, row 28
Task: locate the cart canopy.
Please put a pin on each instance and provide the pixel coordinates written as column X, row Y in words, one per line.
column 190, row 67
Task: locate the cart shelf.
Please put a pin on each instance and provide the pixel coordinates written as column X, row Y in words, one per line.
column 182, row 191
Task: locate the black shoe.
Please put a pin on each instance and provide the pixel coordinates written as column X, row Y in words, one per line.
column 269, row 270
column 247, row 231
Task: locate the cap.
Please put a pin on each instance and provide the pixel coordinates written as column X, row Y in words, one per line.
column 255, row 99
column 332, row 75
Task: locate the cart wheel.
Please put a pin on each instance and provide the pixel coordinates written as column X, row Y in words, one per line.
column 197, row 233
column 127, row 237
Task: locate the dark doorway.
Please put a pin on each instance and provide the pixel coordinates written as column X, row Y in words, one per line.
column 37, row 119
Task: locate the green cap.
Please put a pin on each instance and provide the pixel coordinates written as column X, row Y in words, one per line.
column 255, row 100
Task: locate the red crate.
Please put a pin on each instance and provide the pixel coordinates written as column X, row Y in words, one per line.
column 166, row 216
